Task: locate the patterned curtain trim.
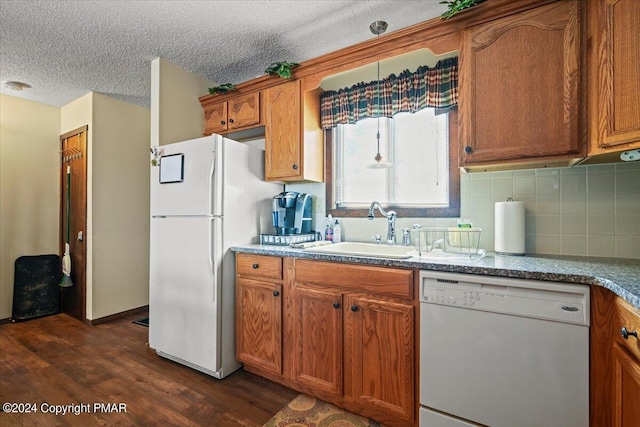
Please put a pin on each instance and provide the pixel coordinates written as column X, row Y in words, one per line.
column 435, row 87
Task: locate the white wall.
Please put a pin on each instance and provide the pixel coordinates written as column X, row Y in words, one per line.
column 120, row 202
column 29, row 186
column 583, row 211
column 176, row 113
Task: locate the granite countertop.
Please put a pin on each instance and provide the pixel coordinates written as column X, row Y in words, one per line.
column 621, row 276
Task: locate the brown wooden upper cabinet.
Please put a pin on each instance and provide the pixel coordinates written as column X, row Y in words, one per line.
column 519, row 87
column 283, row 154
column 294, row 145
column 238, row 113
column 613, row 59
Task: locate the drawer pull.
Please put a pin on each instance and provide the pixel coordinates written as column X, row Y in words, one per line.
column 336, row 305
column 569, row 308
column 276, row 293
column 354, row 308
column 625, row 334
column 255, row 266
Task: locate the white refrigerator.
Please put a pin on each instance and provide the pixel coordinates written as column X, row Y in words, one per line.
column 207, row 195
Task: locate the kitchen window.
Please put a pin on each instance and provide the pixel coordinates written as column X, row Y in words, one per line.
column 423, row 179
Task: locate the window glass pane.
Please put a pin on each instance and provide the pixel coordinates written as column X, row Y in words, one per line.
column 421, row 162
column 359, row 183
column 416, row 145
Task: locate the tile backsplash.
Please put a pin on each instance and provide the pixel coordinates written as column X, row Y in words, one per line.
column 584, row 210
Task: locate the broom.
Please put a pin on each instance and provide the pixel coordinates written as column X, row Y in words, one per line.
column 66, row 259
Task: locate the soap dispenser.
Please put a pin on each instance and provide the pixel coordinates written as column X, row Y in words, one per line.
column 337, row 232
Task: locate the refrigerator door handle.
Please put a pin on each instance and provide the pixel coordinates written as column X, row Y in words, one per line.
column 212, row 184
column 212, row 254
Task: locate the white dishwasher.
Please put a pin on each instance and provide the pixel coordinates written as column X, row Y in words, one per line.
column 503, row 352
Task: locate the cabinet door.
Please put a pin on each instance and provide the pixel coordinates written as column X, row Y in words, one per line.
column 614, row 75
column 626, row 389
column 215, row 118
column 519, row 86
column 259, row 324
column 244, row 111
column 283, row 153
column 318, row 357
column 379, row 357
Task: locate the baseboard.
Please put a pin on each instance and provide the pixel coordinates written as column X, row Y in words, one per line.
column 117, row 316
column 4, row 321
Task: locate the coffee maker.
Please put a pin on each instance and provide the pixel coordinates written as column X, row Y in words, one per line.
column 291, row 213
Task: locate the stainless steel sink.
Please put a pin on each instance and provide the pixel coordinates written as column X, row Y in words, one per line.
column 363, row 249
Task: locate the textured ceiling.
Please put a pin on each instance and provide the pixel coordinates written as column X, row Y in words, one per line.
column 65, row 49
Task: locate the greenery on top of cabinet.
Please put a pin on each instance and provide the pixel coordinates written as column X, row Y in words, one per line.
column 283, row 69
column 224, row 88
column 456, row 6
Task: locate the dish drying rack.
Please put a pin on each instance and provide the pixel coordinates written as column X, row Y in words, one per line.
column 446, row 242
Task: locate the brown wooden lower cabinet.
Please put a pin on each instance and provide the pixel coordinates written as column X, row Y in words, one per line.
column 348, row 334
column 319, row 349
column 259, row 324
column 379, row 350
column 259, row 307
column 615, row 361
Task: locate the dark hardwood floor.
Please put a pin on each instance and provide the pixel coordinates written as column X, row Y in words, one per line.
column 58, row 360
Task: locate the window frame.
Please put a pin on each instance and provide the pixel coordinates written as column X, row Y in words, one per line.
column 453, row 211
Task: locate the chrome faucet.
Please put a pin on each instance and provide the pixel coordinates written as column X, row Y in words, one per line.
column 391, row 221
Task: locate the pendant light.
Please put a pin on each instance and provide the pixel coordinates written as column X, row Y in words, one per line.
column 377, row 28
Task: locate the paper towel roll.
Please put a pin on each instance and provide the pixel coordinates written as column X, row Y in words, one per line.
column 509, row 227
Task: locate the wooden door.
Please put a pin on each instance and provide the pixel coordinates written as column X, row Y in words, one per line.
column 244, row 111
column 614, row 75
column 283, row 151
column 73, row 147
column 519, row 86
column 379, row 357
column 215, row 118
column 259, row 324
column 318, row 352
column 626, row 388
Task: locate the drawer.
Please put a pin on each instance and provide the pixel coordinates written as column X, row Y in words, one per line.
column 388, row 281
column 260, row 266
column 629, row 318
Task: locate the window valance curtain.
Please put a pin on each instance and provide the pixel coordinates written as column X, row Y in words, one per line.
column 435, row 87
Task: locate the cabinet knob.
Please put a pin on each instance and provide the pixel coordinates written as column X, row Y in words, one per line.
column 354, row 308
column 276, row 293
column 230, row 120
column 295, row 167
column 625, row 333
column 222, row 122
column 255, row 266
column 468, row 149
column 336, row 305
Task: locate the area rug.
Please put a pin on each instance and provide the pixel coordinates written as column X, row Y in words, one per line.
column 143, row 322
column 305, row 411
